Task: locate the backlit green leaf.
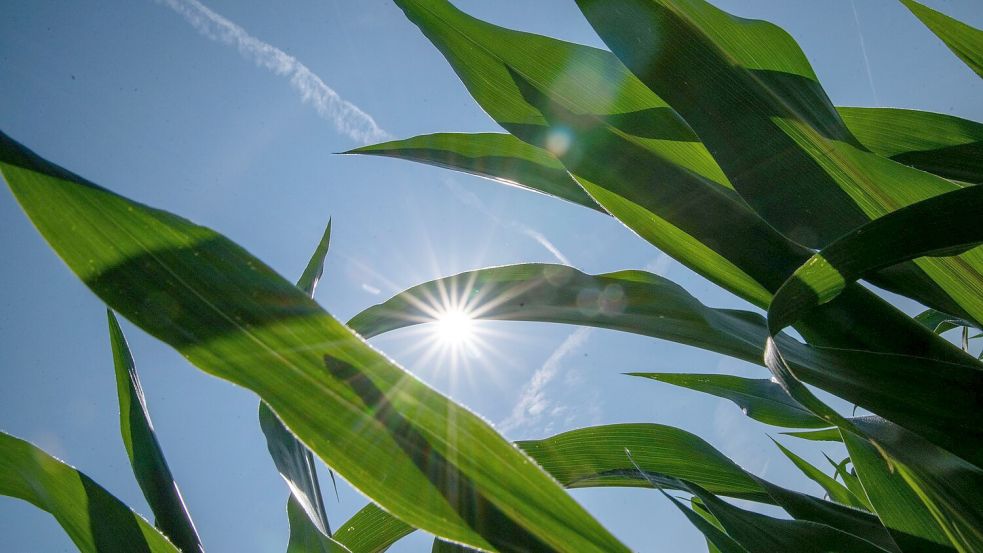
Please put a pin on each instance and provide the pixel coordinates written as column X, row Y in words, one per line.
column 964, row 40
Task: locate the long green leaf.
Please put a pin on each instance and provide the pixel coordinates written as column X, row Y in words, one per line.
column 944, row 222
column 898, row 506
column 836, row 491
column 146, row 458
column 824, row 435
column 500, row 157
column 371, row 530
column 95, row 520
column 718, row 541
column 947, row 146
column 751, row 95
column 965, row 41
column 760, row 399
column 446, row 471
column 292, row 459
column 595, row 456
column 763, row 534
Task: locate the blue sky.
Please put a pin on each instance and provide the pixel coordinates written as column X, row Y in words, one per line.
column 167, row 105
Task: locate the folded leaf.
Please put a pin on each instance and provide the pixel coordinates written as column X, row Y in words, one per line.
column 96, row 521
column 146, row 458
column 760, row 399
column 964, row 40
column 304, row 536
column 446, row 470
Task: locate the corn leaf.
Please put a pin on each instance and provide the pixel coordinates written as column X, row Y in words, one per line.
column 824, row 435
column 836, row 491
column 146, row 457
column 305, row 537
column 447, row 471
column 500, row 157
column 371, row 530
column 946, row 222
column 292, row 459
column 96, row 521
column 763, row 534
column 965, row 41
column 947, row 146
column 760, row 399
column 748, row 91
column 897, row 504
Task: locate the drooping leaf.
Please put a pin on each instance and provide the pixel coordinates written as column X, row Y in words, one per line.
column 836, row 491
column 760, row 399
column 936, row 393
column 717, row 539
column 851, row 481
column 939, row 322
column 292, row 459
column 595, row 456
column 148, row 462
column 943, row 222
column 947, row 146
column 96, row 521
column 447, row 471
column 304, row 536
column 763, row 534
column 371, row 530
column 500, row 157
column 965, row 41
column 748, row 91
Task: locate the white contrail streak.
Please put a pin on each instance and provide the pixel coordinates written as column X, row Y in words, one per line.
column 347, row 118
column 533, row 402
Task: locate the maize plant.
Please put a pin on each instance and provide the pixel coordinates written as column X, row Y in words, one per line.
column 708, row 136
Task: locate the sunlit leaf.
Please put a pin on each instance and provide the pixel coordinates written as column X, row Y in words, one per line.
column 96, row 521
column 371, row 530
column 964, row 40
column 760, row 399
column 446, row 470
column 146, row 458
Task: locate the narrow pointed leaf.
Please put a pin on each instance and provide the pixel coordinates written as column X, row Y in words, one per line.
column 702, row 511
column 851, row 481
column 760, row 399
column 371, row 530
column 965, row 41
column 500, row 157
column 716, row 538
column 748, row 91
column 824, row 435
column 96, row 521
column 836, row 491
column 939, row 322
column 763, row 534
column 292, row 459
column 447, row 471
column 146, row 457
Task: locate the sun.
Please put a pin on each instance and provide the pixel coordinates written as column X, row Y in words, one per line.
column 454, row 327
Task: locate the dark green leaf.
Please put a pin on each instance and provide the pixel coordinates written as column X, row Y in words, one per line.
column 146, row 458
column 760, row 399
column 447, row 471
column 95, row 520
column 748, row 91
column 964, row 41
column 304, row 536
column 939, row 322
column 836, row 491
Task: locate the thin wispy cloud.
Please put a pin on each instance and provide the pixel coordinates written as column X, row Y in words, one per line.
column 471, row 199
column 347, row 118
column 534, row 404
